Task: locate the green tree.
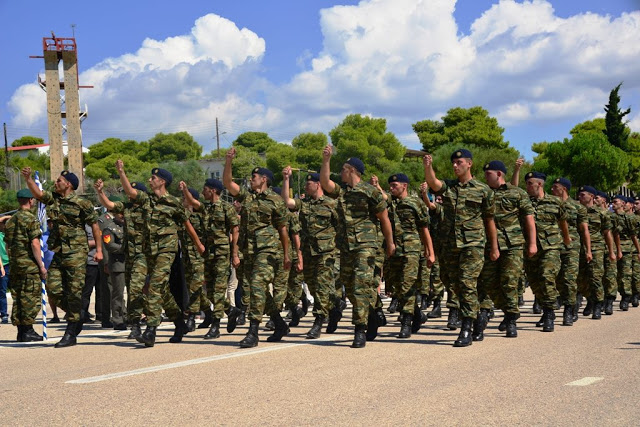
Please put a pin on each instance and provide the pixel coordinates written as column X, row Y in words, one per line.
column 105, row 169
column 461, row 126
column 308, row 149
column 27, row 140
column 258, row 142
column 616, row 130
column 279, row 156
column 188, row 171
column 109, row 146
column 246, row 160
column 172, row 147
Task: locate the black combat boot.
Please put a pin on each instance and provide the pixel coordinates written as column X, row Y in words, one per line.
column 233, row 318
column 20, row 333
column 393, row 306
column 436, row 310
column 135, row 332
column 270, row 326
column 29, row 335
column 179, row 332
column 305, row 305
column 520, row 300
column 624, row 302
column 576, row 310
column 296, row 314
column 579, row 298
column 281, row 328
column 69, row 337
column 372, row 325
column 191, row 322
column 382, row 319
column 425, row 302
column 251, row 339
column 589, row 308
column 242, row 317
column 635, row 300
column 316, row 329
column 405, row 325
column 452, row 321
column 360, row 337
column 418, row 319
column 148, row 337
column 536, row 307
column 540, row 322
column 464, row 338
column 567, row 316
column 335, row 314
column 511, row 328
column 502, row 326
column 597, row 310
column 206, row 322
column 214, row 331
column 479, row 324
column 549, row 316
column 608, row 305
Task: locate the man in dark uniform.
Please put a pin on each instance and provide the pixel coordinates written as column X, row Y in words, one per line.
column 114, row 243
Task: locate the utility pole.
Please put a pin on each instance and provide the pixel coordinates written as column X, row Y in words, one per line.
column 6, row 156
column 217, row 137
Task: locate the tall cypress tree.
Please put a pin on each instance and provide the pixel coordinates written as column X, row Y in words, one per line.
column 616, row 128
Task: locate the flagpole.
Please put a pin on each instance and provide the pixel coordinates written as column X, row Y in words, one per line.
column 42, row 216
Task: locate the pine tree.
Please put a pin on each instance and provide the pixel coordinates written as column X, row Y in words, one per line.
column 616, row 131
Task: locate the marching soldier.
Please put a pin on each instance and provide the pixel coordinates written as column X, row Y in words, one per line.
column 610, row 276
column 68, row 241
column 628, row 244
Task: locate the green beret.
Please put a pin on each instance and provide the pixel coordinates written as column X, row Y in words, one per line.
column 25, row 193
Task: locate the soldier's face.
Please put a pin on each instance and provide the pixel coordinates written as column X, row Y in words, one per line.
column 533, row 186
column 599, row 200
column 257, row 180
column 492, row 178
column 155, row 182
column 397, row 188
column 311, row 188
column 636, row 205
column 618, row 204
column 206, row 192
column 557, row 190
column 346, row 172
column 461, row 166
column 585, row 197
column 61, row 184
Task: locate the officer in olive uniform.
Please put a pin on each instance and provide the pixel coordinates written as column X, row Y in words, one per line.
column 22, row 238
column 360, row 207
column 68, row 241
column 468, row 223
column 114, row 243
column 264, row 224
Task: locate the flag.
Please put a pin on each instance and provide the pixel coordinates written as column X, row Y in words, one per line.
column 42, row 216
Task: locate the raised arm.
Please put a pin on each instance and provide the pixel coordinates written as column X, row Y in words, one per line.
column 188, row 197
column 515, row 179
column 325, row 170
column 102, row 198
column 227, row 173
column 286, row 177
column 429, row 174
column 31, row 184
column 131, row 192
column 376, row 183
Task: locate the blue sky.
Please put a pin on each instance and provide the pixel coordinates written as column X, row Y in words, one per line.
column 287, row 67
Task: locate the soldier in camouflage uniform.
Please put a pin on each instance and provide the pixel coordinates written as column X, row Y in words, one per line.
column 567, row 282
column 610, row 276
column 628, row 244
column 264, row 227
column 590, row 275
column 436, row 287
column 360, row 207
column 68, row 241
column 22, row 238
column 551, row 231
column 135, row 249
column 498, row 281
column 319, row 219
column 409, row 219
column 166, row 216
column 220, row 233
column 635, row 276
column 468, row 223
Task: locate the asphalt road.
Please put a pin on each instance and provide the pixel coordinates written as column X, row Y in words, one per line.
column 587, row 374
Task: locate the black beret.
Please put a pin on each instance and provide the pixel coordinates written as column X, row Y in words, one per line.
column 315, row 177
column 356, row 163
column 630, row 199
column 163, row 174
column 194, row 193
column 588, row 189
column 139, row 186
column 495, row 165
column 462, row 153
column 25, row 193
column 536, row 175
column 621, row 197
column 564, row 182
column 602, row 194
column 399, row 177
column 214, row 184
column 264, row 171
column 72, row 178
column 277, row 190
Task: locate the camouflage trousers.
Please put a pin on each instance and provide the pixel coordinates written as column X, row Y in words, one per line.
column 424, row 273
column 625, row 271
column 609, row 283
column 65, row 281
column 403, row 275
column 26, row 291
column 357, row 275
column 498, row 281
column 135, row 279
column 194, row 275
column 160, row 296
column 216, row 276
column 635, row 275
column 436, row 287
column 294, row 287
column 319, row 274
column 590, row 275
column 459, row 271
column 243, row 283
column 261, row 269
column 378, row 275
column 280, row 284
column 567, row 280
column 542, row 270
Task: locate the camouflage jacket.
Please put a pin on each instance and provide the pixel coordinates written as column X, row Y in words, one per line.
column 548, row 211
column 465, row 207
column 599, row 221
column 318, row 221
column 69, row 215
column 576, row 215
column 627, row 227
column 136, row 216
column 408, row 216
column 20, row 230
column 219, row 218
column 262, row 214
column 293, row 227
column 166, row 217
column 357, row 209
column 512, row 207
column 189, row 251
column 436, row 219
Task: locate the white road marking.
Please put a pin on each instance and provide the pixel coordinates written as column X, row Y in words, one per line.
column 198, row 361
column 585, row 381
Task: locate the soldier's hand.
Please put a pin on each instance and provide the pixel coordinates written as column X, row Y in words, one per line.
column 532, row 249
column 390, row 249
column 519, row 164
column 612, row 256
column 299, row 265
column 424, row 188
column 231, row 154
column 43, row 272
column 119, row 165
column 327, row 152
column 26, row 172
column 182, row 185
column 374, row 181
column 427, row 161
column 431, row 259
column 99, row 185
column 286, row 263
column 98, row 256
column 619, row 255
column 494, row 254
column 286, row 172
column 589, row 257
column 235, row 262
column 201, row 249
